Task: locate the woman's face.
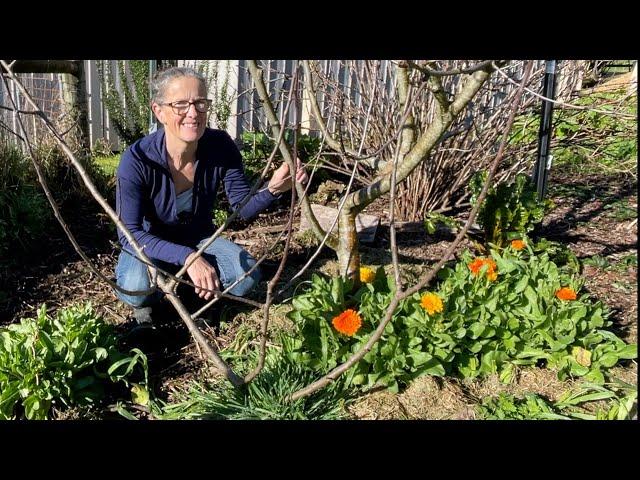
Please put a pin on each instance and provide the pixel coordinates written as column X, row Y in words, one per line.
column 187, row 127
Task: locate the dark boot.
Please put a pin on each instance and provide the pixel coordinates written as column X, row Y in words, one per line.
column 144, row 334
column 143, row 316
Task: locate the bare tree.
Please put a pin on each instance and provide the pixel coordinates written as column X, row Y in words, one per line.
column 415, row 142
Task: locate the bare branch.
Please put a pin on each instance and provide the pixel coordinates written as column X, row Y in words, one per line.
column 256, row 74
column 425, row 142
column 444, row 73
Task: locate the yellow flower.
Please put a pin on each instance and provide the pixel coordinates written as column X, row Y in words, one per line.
column 517, row 244
column 431, row 303
column 367, row 275
column 348, row 322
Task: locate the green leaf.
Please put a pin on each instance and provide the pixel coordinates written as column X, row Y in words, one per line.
column 460, row 333
column 522, row 284
column 419, row 358
column 100, row 353
column 126, row 414
column 507, row 373
column 301, row 303
column 139, row 394
column 608, row 360
column 595, row 375
column 432, row 367
column 589, row 397
column 577, row 369
column 476, row 330
column 532, row 298
column 629, row 352
column 579, row 313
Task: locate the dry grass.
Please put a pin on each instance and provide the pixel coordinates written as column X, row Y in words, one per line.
column 432, row 398
column 427, row 398
column 540, row 381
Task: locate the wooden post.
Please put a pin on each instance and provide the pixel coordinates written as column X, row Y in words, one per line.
column 74, row 96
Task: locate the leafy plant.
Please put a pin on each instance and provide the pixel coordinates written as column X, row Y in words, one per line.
column 265, row 398
column 128, row 105
column 621, row 211
column 219, row 216
column 509, row 407
column 588, row 141
column 307, row 146
column 509, row 211
column 628, row 261
column 255, row 148
column 559, row 254
column 24, row 217
column 597, row 261
column 61, row 361
column 433, row 219
column 488, row 315
column 24, row 212
column 619, row 399
column 591, row 141
column 523, row 318
column 405, row 351
column 108, row 163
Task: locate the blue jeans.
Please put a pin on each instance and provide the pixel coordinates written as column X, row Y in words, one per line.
column 229, row 260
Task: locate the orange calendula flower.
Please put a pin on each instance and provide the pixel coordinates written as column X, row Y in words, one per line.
column 431, row 303
column 477, row 265
column 566, row 293
column 517, row 244
column 348, row 322
column 367, row 275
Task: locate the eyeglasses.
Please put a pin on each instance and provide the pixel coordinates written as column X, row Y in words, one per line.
column 181, row 107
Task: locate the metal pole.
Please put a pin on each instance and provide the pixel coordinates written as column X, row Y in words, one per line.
column 153, row 67
column 543, row 164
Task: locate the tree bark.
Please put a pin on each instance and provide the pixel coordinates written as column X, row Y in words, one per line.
column 347, row 251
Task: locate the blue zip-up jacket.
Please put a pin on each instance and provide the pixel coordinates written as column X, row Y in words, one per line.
column 146, row 195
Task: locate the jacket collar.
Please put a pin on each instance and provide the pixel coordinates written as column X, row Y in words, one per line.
column 156, row 147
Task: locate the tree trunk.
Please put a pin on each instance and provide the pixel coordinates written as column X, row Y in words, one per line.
column 347, row 251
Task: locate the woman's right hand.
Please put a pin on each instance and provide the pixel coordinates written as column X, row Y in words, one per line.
column 204, row 276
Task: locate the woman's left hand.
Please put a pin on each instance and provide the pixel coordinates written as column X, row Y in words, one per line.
column 281, row 179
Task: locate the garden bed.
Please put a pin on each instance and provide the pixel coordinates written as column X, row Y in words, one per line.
column 594, row 215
